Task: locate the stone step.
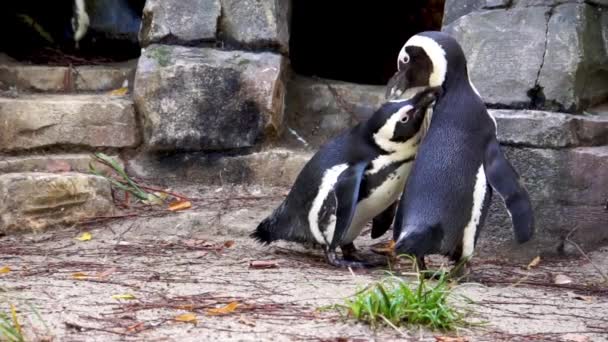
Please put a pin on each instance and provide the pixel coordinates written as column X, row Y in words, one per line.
column 37, row 121
column 37, row 201
column 53, row 163
column 43, row 78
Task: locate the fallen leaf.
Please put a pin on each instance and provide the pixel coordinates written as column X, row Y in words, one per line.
column 187, row 307
column 106, row 273
column 120, row 91
column 534, row 262
column 575, row 338
column 264, row 264
column 180, row 205
column 16, row 323
column 195, row 243
column 224, row 310
column 585, row 298
column 246, row 321
column 384, row 248
column 58, row 166
column 124, row 296
column 561, row 279
column 86, row 236
column 79, row 275
column 4, row 270
column 186, row 318
column 450, row 339
column 229, row 243
column 135, row 327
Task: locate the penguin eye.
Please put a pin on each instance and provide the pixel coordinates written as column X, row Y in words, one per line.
column 405, row 119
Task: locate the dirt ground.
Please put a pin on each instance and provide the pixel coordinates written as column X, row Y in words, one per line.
column 199, row 259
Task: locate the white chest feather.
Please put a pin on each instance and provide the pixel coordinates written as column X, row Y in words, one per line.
column 378, row 200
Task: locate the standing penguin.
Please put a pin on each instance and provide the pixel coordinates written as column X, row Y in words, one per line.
column 459, row 162
column 354, row 178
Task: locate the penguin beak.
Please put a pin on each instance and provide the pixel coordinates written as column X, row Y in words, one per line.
column 397, row 84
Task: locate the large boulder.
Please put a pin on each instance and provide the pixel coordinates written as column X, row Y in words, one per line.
column 179, row 21
column 545, row 54
column 256, row 23
column 319, row 109
column 195, row 99
column 504, row 50
column 92, row 121
column 36, row 201
column 574, row 73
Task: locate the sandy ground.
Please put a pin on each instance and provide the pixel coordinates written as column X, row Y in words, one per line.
column 199, row 259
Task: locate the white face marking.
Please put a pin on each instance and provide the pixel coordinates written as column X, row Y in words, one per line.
column 385, row 133
column 83, row 20
column 479, row 194
column 330, row 178
column 437, row 55
column 403, row 57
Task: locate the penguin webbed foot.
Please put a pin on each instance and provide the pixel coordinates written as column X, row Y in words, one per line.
column 457, row 272
column 350, row 258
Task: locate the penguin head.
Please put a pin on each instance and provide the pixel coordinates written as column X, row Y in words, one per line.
column 428, row 59
column 396, row 122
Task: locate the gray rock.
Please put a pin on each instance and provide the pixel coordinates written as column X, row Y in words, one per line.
column 92, row 121
column 275, row 167
column 568, row 188
column 256, row 23
column 319, row 109
column 37, row 201
column 550, row 130
column 504, row 49
column 53, row 163
column 454, row 9
column 204, row 99
column 179, row 21
column 493, row 4
column 574, row 74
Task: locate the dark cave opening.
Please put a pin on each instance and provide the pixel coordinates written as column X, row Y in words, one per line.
column 356, row 41
column 43, row 32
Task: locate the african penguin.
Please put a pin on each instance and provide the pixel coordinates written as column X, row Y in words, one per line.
column 459, row 162
column 352, row 179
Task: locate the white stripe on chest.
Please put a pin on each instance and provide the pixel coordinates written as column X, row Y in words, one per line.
column 328, row 182
column 479, row 194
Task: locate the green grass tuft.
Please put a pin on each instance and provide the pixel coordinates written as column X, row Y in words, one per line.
column 10, row 328
column 398, row 302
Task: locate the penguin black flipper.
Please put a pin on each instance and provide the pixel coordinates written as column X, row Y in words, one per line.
column 347, row 193
column 505, row 180
column 382, row 223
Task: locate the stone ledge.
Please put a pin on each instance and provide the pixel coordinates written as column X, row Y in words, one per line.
column 533, row 128
column 91, row 121
column 60, row 79
column 37, row 201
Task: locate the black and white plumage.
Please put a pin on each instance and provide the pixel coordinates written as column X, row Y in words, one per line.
column 459, row 162
column 354, row 178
